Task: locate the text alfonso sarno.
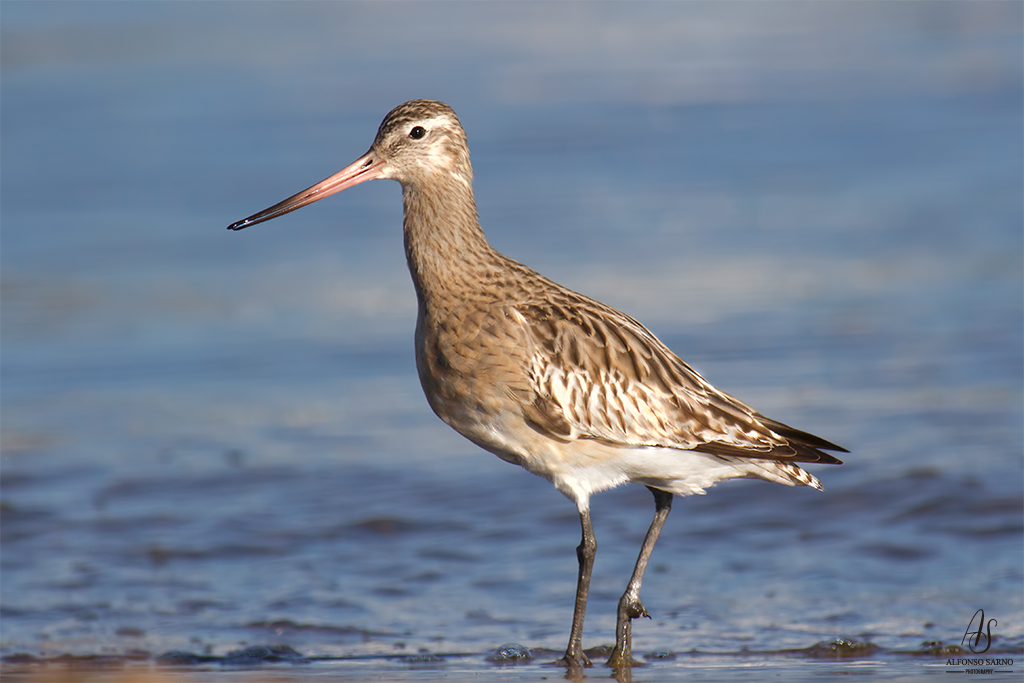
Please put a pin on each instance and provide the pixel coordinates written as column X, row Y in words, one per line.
column 979, row 662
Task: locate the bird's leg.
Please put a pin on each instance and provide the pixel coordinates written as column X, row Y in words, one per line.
column 630, row 606
column 574, row 657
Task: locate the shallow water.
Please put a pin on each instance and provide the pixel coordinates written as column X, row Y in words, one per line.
column 214, row 441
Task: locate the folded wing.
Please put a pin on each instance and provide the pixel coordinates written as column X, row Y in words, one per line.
column 599, row 374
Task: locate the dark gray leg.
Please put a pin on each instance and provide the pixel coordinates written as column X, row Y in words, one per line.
column 630, row 606
column 574, row 657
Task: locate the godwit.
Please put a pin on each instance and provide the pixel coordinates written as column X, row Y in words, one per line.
column 545, row 378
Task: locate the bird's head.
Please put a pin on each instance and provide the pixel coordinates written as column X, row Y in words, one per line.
column 419, row 142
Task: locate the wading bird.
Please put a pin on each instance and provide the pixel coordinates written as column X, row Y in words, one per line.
column 566, row 387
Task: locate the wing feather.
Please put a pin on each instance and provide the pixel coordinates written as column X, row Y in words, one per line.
column 599, row 374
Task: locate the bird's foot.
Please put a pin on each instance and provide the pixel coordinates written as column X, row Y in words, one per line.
column 632, row 609
column 574, row 667
column 622, row 658
column 574, row 661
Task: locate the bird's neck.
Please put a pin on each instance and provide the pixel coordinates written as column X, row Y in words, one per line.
column 444, row 244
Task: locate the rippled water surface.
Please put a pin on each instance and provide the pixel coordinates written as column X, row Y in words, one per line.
column 216, row 441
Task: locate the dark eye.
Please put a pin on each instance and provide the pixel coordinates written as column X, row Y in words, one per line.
column 417, row 132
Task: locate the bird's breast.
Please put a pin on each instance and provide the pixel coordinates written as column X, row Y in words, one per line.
column 472, row 367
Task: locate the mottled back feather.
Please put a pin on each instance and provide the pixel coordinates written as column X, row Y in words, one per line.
column 599, row 374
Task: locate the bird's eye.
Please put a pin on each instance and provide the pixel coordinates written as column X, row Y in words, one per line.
column 417, row 132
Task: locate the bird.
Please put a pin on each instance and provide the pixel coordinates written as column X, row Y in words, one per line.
column 566, row 387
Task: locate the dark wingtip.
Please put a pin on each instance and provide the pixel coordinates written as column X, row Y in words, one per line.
column 806, row 439
column 827, row 459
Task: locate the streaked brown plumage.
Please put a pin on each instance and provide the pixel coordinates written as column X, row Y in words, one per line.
column 546, row 378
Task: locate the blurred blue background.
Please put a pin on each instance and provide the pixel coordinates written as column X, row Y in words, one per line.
column 213, row 438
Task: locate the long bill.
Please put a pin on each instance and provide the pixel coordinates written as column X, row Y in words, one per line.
column 366, row 167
